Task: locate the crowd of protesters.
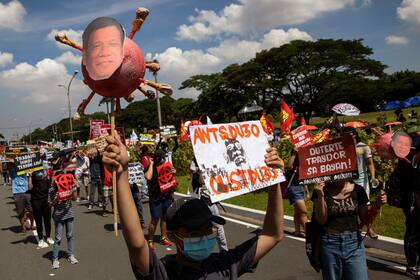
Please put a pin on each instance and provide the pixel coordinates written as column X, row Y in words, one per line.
column 193, row 225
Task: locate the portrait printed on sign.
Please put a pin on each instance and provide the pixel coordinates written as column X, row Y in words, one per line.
column 231, row 158
column 103, row 51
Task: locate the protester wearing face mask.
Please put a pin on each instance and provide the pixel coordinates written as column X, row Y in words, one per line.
column 190, row 226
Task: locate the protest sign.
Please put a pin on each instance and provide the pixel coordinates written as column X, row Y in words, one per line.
column 300, row 137
column 30, row 162
column 146, row 139
column 331, row 160
column 136, row 174
column 231, row 158
column 168, row 131
column 95, row 126
column 65, row 184
column 166, row 177
column 105, row 129
column 2, row 149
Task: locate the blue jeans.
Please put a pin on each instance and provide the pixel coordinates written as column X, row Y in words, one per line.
column 343, row 256
column 59, row 225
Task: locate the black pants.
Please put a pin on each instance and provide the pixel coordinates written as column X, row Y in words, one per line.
column 42, row 214
column 135, row 192
column 412, row 231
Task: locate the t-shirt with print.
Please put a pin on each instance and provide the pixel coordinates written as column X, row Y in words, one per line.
column 63, row 210
column 363, row 153
column 343, row 214
column 19, row 182
column 229, row 264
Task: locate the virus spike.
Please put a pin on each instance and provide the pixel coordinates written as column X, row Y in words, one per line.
column 62, row 38
column 141, row 14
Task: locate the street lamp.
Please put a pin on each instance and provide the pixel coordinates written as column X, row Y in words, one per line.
column 68, row 101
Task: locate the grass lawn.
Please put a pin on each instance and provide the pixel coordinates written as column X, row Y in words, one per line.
column 390, row 222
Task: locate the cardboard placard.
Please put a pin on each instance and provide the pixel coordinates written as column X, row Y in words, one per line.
column 332, row 160
column 168, row 131
column 300, row 137
column 95, row 128
column 136, row 173
column 166, row 178
column 65, row 184
column 30, row 162
column 231, row 158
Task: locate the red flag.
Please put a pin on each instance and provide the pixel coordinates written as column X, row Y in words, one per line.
column 302, row 121
column 266, row 124
column 184, row 132
column 286, row 117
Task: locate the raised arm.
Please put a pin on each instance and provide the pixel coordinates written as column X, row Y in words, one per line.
column 115, row 158
column 320, row 206
column 273, row 227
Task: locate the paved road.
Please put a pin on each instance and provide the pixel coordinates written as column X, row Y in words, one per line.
column 103, row 256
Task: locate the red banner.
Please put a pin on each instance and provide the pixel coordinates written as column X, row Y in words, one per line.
column 166, row 178
column 300, row 137
column 95, row 128
column 105, row 129
column 332, row 160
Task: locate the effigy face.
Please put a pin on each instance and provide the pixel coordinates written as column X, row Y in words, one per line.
column 104, row 52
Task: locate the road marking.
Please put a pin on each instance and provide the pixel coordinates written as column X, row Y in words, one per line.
column 373, row 259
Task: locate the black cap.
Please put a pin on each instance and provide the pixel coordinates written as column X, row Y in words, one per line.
column 191, row 213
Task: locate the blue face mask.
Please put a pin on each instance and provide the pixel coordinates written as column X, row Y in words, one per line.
column 199, row 248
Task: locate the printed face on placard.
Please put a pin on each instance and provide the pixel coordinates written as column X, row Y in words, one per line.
column 401, row 146
column 235, row 152
column 104, row 52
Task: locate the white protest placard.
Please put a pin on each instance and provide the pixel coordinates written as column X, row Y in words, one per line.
column 231, row 158
column 135, row 173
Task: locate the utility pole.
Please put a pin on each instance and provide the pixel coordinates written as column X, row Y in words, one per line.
column 68, row 102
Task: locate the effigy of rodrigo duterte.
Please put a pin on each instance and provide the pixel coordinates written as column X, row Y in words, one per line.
column 113, row 64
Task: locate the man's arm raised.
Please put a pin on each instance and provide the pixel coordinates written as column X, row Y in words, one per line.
column 115, row 158
column 273, row 228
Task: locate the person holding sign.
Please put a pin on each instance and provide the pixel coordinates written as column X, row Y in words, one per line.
column 337, row 207
column 190, row 226
column 39, row 187
column 63, row 214
column 22, row 197
column 159, row 201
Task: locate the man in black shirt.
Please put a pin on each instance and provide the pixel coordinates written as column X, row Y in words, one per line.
column 190, row 228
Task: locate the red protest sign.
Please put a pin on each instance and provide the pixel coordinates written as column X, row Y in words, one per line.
column 166, row 178
column 105, row 129
column 64, row 183
column 331, row 160
column 95, row 128
column 300, row 137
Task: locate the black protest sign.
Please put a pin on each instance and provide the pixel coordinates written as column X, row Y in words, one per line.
column 28, row 163
column 168, row 131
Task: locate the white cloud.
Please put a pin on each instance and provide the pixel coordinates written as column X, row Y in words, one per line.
column 74, row 35
column 11, row 15
column 409, row 11
column 38, row 83
column 5, row 58
column 178, row 65
column 251, row 15
column 69, row 58
column 396, row 40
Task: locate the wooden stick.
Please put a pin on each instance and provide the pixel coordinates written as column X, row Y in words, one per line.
column 114, row 172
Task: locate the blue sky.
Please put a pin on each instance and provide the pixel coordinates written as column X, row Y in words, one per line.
column 188, row 37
